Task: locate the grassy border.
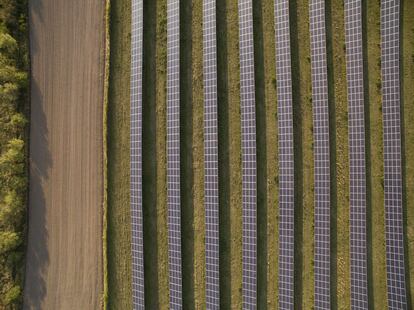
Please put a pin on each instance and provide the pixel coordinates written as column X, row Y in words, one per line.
column 407, row 134
column 105, row 154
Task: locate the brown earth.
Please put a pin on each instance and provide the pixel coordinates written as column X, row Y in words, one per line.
column 64, row 260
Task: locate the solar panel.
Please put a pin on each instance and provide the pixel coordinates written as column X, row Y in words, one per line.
column 137, row 243
column 357, row 168
column 248, row 132
column 321, row 153
column 173, row 153
column 211, row 190
column 391, row 113
column 286, row 155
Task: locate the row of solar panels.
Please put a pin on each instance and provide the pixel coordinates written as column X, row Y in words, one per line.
column 286, row 155
column 321, row 149
column 392, row 154
column 390, row 68
column 137, row 241
column 357, row 162
column 211, row 188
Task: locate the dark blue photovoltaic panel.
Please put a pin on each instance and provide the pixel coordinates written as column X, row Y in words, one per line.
column 137, row 245
column 211, row 190
column 173, row 153
column 286, row 155
column 391, row 113
column 357, row 168
column 248, row 133
column 321, row 153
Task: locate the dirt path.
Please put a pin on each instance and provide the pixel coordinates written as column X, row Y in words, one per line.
column 64, row 262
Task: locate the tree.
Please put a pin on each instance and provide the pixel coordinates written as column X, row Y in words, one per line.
column 11, row 210
column 9, row 240
column 9, row 74
column 12, row 295
column 13, row 176
column 12, row 165
column 8, row 45
column 9, row 92
column 17, row 123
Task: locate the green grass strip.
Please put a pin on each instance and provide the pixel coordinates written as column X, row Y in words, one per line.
column 262, row 45
column 161, row 152
column 149, row 158
column 340, row 260
column 198, row 154
column 119, row 233
column 105, row 154
column 407, row 71
column 375, row 172
column 302, row 100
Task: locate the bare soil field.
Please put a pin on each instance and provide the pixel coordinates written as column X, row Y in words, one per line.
column 64, row 260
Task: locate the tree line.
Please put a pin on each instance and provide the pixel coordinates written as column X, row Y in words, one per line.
column 14, row 109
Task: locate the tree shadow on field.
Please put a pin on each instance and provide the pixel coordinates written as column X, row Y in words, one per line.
column 37, row 257
column 35, row 14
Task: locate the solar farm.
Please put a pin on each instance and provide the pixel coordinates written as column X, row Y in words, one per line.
column 269, row 157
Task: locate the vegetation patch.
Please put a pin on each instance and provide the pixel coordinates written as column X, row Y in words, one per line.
column 268, row 210
column 304, row 242
column 375, row 166
column 14, row 109
column 118, row 208
column 340, row 259
column 407, row 74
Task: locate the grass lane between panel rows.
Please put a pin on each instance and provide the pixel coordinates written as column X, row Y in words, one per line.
column 407, row 74
column 375, row 168
column 340, row 260
column 301, row 78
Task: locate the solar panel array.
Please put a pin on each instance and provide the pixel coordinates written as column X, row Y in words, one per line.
column 211, row 190
column 390, row 68
column 173, row 153
column 321, row 153
column 286, row 155
column 357, row 168
column 137, row 243
column 248, row 132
